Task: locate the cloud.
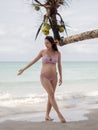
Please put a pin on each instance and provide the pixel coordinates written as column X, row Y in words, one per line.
column 2, row 32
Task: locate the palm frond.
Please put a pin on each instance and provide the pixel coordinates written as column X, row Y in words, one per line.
column 64, row 2
column 35, row 4
column 49, row 2
column 60, row 1
column 38, row 31
column 50, row 23
column 62, row 23
column 65, row 29
column 38, row 2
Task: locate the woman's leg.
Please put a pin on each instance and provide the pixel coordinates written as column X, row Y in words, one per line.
column 49, row 106
column 48, row 87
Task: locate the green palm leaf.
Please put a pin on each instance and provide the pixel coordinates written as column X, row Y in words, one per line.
column 38, row 31
column 62, row 23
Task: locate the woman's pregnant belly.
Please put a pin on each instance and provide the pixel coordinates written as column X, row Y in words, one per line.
column 49, row 69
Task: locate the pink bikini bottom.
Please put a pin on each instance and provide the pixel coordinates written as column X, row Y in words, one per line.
column 49, row 78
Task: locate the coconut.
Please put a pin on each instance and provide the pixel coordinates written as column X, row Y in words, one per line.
column 37, row 8
column 44, row 29
column 46, row 32
column 61, row 29
column 47, row 26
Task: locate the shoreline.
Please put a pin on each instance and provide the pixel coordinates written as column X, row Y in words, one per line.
column 72, row 114
column 90, row 124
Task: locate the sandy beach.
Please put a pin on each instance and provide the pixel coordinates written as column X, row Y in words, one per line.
column 90, row 124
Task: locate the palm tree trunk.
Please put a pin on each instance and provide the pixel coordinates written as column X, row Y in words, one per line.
column 55, row 27
column 79, row 37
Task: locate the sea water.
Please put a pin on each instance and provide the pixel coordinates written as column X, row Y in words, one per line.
column 24, row 94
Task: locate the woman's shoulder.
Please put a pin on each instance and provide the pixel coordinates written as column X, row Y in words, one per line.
column 42, row 51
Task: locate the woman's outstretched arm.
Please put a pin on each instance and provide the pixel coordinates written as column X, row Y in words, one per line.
column 60, row 68
column 31, row 63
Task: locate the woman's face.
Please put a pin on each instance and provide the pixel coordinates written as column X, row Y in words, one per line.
column 48, row 44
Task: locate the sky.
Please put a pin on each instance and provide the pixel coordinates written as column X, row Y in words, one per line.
column 19, row 23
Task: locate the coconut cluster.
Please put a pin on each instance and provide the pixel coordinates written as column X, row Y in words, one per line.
column 46, row 27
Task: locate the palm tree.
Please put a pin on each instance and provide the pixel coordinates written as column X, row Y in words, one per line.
column 79, row 37
column 50, row 21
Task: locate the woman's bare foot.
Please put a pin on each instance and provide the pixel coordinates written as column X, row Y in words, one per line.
column 61, row 118
column 48, row 118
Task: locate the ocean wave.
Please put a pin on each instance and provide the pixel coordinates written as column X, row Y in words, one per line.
column 7, row 99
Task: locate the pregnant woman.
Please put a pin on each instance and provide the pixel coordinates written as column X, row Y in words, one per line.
column 48, row 77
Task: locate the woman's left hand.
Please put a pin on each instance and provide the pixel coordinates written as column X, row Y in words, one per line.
column 60, row 81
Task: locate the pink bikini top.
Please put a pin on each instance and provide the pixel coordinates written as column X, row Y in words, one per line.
column 47, row 59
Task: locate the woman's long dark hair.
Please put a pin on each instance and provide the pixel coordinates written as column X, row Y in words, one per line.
column 53, row 43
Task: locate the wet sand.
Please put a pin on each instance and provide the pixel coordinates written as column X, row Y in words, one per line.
column 90, row 124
